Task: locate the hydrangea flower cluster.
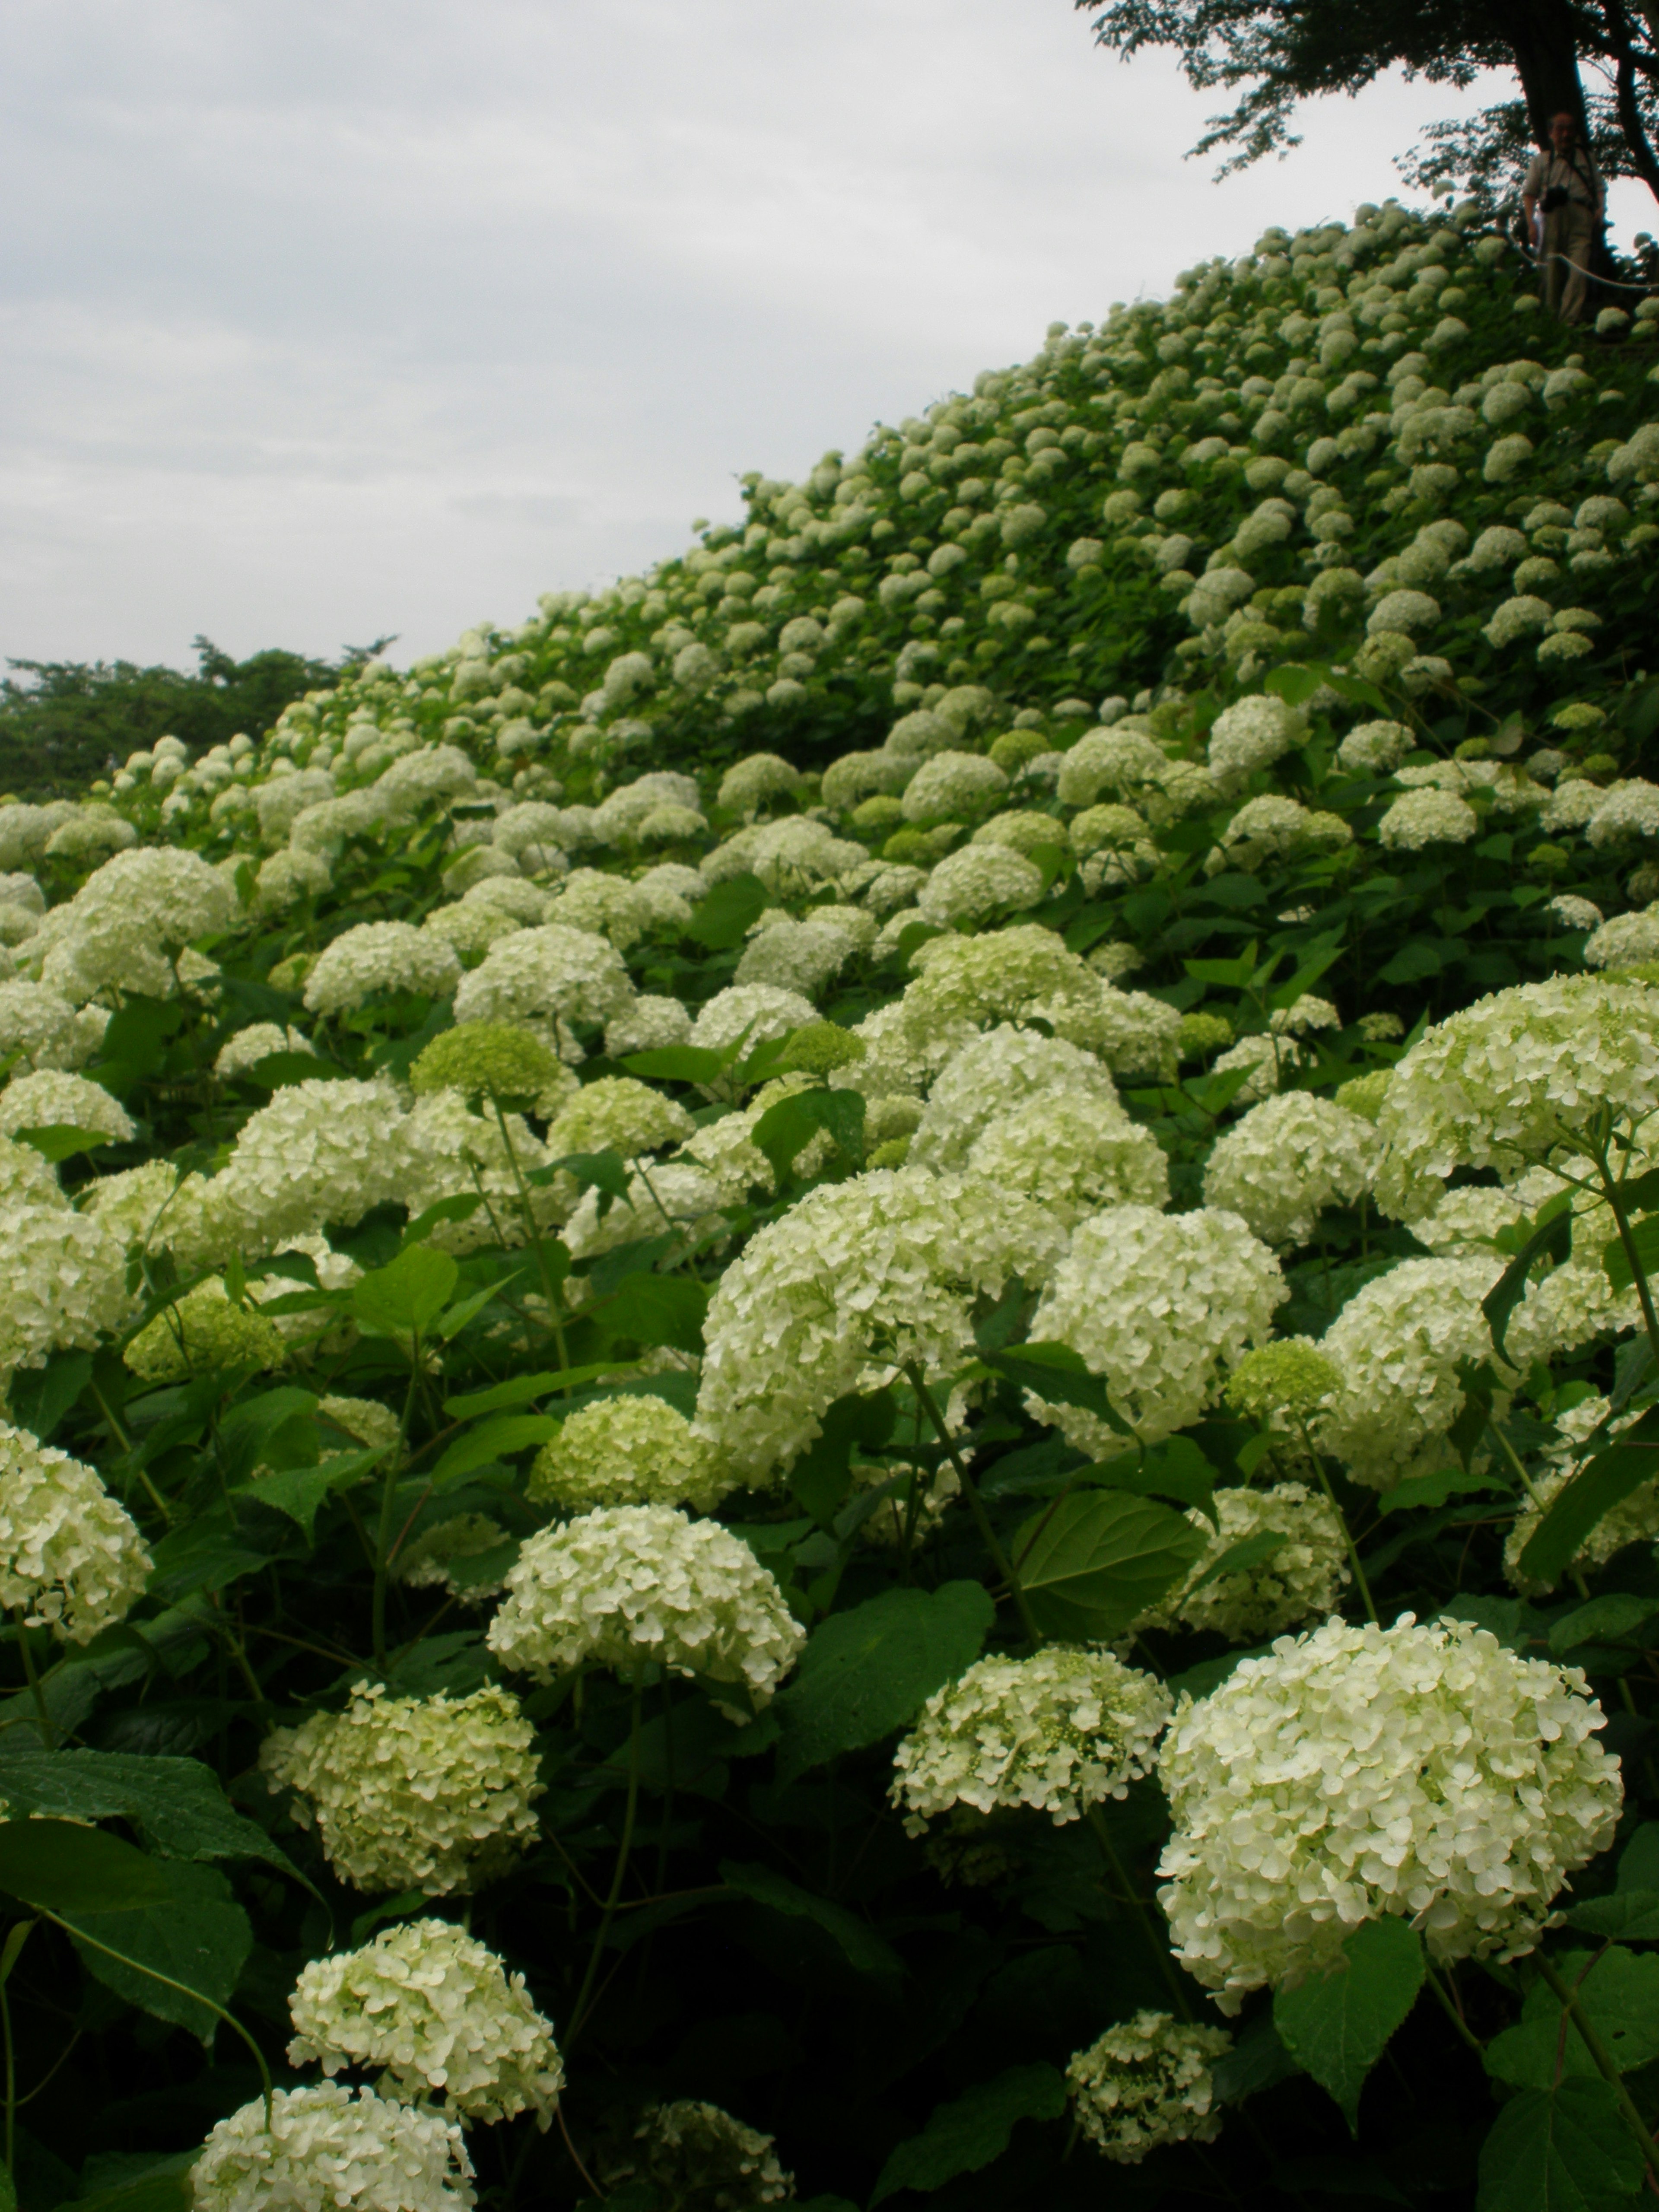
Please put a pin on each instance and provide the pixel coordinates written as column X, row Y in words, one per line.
column 413, row 1793
column 381, row 956
column 325, row 2147
column 1159, row 1305
column 1284, row 1161
column 437, row 2014
column 1059, row 1731
column 698, row 2156
column 1418, row 1770
column 1397, row 1345
column 1297, row 1582
column 625, row 1584
column 1146, row 2082
column 71, row 1558
column 627, row 1451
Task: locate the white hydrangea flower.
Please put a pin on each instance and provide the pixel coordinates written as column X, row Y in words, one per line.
column 1159, row 1305
column 951, row 785
column 1420, row 1770
column 1627, row 809
column 1629, row 939
column 453, row 1151
column 609, row 906
column 1015, row 974
column 976, row 882
column 797, row 956
column 1512, row 1079
column 677, row 1194
column 1268, row 1056
column 126, row 925
column 1286, row 1160
column 1061, row 1151
column 1419, row 818
column 325, row 2149
column 71, row 1558
column 617, row 1115
column 651, row 1023
column 1398, row 1342
column 1298, row 1583
column 750, row 782
column 435, row 2011
column 1251, row 734
column 854, row 1281
column 1404, row 611
column 1574, row 913
column 625, row 1584
column 65, row 1272
column 51, row 1099
column 1146, row 2082
column 1375, row 748
column 1122, row 760
column 754, row 1011
column 627, row 1451
column 413, row 1793
column 37, row 1026
column 320, row 1152
column 1059, row 1731
column 544, row 979
column 994, row 1072
column 381, row 955
column 694, row 2153
column 254, row 1043
column 433, row 1560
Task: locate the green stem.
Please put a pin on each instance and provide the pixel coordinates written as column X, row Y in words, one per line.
column 48, row 1733
column 1448, row 2004
column 1598, row 2051
column 383, row 1544
column 1318, row 1465
column 1621, row 1219
column 555, row 1307
column 151, row 1974
column 608, row 1911
column 1125, row 1891
column 17, row 1936
column 999, row 1559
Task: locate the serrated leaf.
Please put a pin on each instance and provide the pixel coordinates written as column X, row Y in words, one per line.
column 61, row 1140
column 519, row 1389
column 177, row 1803
column 655, row 1309
column 406, row 1297
column 1560, row 2149
column 1175, row 1469
column 1615, row 1261
column 1337, row 2025
column 966, row 2134
column 725, row 913
column 277, row 1069
column 492, row 1440
column 1599, row 1484
column 1093, row 1562
column 678, row 1063
column 300, row 1492
column 1059, row 1374
column 1602, row 1619
column 1625, row 1916
column 867, row 1672
column 866, row 1952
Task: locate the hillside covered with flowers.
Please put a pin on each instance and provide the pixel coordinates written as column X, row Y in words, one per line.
column 836, row 1381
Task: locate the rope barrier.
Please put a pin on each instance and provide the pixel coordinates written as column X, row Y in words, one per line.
column 1612, row 283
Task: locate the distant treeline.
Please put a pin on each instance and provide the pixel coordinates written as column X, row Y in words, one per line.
column 64, row 723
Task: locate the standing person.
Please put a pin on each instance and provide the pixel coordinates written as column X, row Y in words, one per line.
column 1564, row 201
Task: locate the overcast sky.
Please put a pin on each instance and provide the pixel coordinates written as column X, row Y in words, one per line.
column 331, row 318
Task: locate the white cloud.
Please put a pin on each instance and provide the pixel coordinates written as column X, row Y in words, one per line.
column 334, row 319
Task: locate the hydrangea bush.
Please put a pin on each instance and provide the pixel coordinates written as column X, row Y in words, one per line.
column 792, row 1359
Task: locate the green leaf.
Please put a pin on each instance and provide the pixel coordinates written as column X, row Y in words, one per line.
column 1237, row 1559
column 1292, row 683
column 786, row 1129
column 1061, row 1377
column 1603, row 1619
column 605, row 1172
column 1337, row 2025
column 404, row 1299
column 1091, row 1564
column 461, row 1207
column 822, row 1475
column 869, row 1671
column 657, row 1309
column 197, row 1935
column 1625, row 1916
column 1227, row 975
column 962, row 2136
column 866, row 1952
column 1560, row 2149
column 1597, row 1488
column 1553, row 1236
column 61, row 1140
column 1645, row 1235
column 454, row 1319
column 1619, row 1996
column 519, row 1389
column 39, row 1397
column 492, row 1440
column 724, row 916
column 300, row 1492
column 177, row 1804
column 1175, row 1469
column 1423, row 1490
column 1321, row 955
column 64, row 1867
column 163, row 2187
column 678, row 1063
column 278, row 1069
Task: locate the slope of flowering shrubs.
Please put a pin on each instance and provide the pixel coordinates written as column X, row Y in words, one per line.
column 837, row 1380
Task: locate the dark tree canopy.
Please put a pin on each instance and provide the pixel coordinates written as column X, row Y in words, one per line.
column 67, row 721
column 1273, row 57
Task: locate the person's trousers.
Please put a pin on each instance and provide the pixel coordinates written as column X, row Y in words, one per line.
column 1569, row 240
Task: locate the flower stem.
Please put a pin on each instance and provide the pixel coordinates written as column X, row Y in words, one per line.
column 1125, row 1894
column 608, row 1912
column 1621, row 1219
column 1318, row 1465
column 1449, row 2005
column 1605, row 2064
column 999, row 1559
column 49, row 1734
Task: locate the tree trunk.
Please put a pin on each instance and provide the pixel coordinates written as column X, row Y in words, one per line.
column 1629, row 114
column 1540, row 36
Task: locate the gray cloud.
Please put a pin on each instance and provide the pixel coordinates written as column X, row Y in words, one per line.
column 306, row 305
